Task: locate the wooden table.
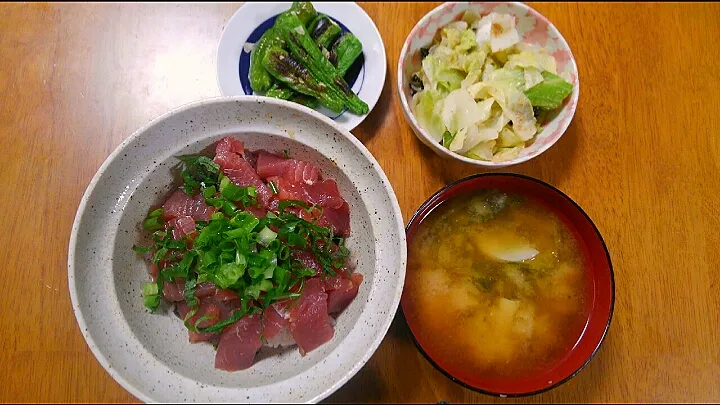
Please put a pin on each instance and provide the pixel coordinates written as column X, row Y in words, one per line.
column 642, row 157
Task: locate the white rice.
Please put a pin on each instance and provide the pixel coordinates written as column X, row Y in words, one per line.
column 282, row 339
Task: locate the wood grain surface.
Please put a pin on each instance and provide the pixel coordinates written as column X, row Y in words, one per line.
column 641, row 157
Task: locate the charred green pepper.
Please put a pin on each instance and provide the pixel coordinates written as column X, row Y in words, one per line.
column 324, row 30
column 305, row 51
column 346, row 49
column 304, row 10
column 260, row 79
column 279, row 90
column 292, row 73
column 304, row 99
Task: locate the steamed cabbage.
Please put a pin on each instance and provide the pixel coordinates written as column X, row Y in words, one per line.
column 483, row 89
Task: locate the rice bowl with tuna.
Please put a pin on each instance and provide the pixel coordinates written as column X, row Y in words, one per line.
column 149, row 353
column 250, row 250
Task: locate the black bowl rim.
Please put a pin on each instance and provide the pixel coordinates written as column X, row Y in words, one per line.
column 431, row 200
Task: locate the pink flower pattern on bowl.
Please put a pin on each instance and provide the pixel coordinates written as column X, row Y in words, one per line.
column 534, row 28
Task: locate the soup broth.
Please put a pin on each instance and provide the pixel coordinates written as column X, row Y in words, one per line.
column 496, row 285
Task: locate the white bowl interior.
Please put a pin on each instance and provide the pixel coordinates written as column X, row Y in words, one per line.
column 149, row 353
column 533, row 28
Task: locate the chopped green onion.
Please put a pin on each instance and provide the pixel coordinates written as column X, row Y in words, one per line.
column 269, row 271
column 153, row 224
column 201, row 320
column 160, row 254
column 199, row 171
column 190, row 298
column 266, row 236
column 173, row 272
column 142, row 249
column 282, row 205
column 273, row 187
column 222, row 324
column 255, row 289
column 232, row 192
column 228, row 274
column 151, row 295
column 156, row 213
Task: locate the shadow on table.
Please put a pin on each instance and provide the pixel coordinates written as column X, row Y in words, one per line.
column 369, row 127
column 368, row 384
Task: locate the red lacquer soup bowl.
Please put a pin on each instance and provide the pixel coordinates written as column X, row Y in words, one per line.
column 600, row 287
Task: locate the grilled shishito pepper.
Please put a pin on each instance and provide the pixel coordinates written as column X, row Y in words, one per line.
column 289, row 71
column 346, row 49
column 304, row 99
column 279, row 90
column 324, row 30
column 305, row 51
column 260, row 79
column 304, row 10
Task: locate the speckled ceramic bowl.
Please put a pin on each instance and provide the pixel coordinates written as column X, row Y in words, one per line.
column 534, row 28
column 149, row 354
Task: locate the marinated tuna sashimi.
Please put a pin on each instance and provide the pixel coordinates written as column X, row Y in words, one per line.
column 309, row 319
column 323, row 193
column 250, row 250
column 271, row 165
column 242, row 174
column 341, row 291
column 273, row 323
column 238, row 344
column 207, row 314
column 182, row 205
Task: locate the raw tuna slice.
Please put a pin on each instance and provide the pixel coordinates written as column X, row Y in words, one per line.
column 230, row 145
column 309, row 320
column 244, row 176
column 225, row 295
column 259, row 212
column 207, row 308
column 338, row 219
column 204, row 290
column 227, row 307
column 251, row 157
column 324, row 193
column 308, row 260
column 238, row 344
column 341, row 291
column 273, row 323
column 182, row 205
column 181, row 226
column 270, row 165
column 153, row 270
column 229, row 155
column 174, row 291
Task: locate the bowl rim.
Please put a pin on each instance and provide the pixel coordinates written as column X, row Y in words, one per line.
column 416, row 220
column 420, row 132
column 80, row 317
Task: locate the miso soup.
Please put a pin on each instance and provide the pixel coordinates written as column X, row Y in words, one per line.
column 496, row 285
